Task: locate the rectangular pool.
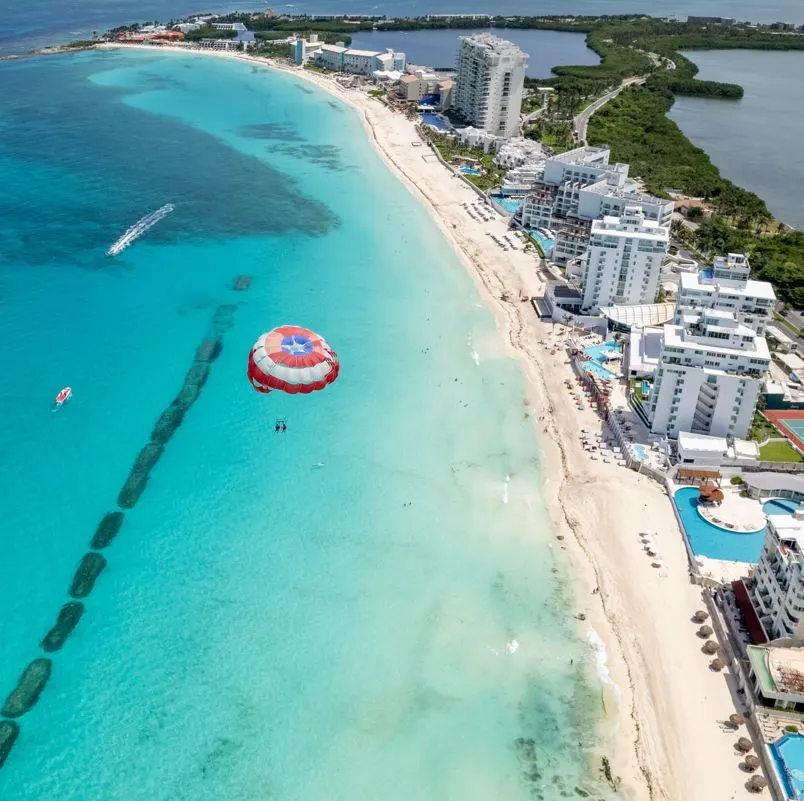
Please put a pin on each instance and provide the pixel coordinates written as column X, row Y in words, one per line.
column 788, row 758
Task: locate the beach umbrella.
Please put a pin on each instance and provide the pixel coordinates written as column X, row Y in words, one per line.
column 716, row 664
column 705, row 631
column 700, row 616
column 751, row 762
column 711, row 647
column 736, row 720
column 758, row 783
column 744, row 744
column 291, row 359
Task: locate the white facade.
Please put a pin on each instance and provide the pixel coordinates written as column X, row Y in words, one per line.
column 777, row 590
column 330, row 57
column 359, row 62
column 644, row 349
column 701, row 449
column 478, row 138
column 709, row 376
column 518, row 151
column 624, row 261
column 488, row 85
column 220, row 44
column 580, row 186
column 726, row 286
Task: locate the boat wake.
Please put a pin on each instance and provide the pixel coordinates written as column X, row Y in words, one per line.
column 139, row 228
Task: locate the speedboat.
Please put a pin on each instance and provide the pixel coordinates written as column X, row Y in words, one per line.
column 62, row 398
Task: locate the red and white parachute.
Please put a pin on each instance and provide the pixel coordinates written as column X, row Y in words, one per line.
column 292, row 359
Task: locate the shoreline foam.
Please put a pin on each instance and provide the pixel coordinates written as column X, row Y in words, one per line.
column 668, row 742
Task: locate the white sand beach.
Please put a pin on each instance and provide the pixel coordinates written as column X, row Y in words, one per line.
column 667, row 737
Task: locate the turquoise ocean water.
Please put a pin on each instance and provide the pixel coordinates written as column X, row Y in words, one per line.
column 265, row 629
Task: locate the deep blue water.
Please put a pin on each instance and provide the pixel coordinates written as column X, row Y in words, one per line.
column 545, row 49
column 34, row 23
column 264, row 627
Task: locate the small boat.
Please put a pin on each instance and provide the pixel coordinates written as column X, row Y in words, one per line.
column 62, row 398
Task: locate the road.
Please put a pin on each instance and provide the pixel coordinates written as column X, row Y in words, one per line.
column 581, row 122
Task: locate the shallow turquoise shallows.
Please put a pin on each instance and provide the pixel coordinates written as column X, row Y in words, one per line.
column 708, row 540
column 266, row 628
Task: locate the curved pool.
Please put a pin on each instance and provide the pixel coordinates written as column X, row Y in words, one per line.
column 708, row 540
column 780, row 506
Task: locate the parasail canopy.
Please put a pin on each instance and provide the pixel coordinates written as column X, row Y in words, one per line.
column 292, row 359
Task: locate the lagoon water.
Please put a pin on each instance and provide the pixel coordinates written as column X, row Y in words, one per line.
column 265, row 628
column 545, row 49
column 754, row 141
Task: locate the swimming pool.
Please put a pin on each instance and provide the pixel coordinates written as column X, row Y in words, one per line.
column 546, row 244
column 509, row 204
column 788, row 759
column 596, row 365
column 709, row 540
column 780, row 506
column 646, row 389
column 436, row 121
column 467, row 170
column 640, row 452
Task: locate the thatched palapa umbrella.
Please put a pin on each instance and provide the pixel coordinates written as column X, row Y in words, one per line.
column 736, row 720
column 717, row 664
column 751, row 762
column 700, row 616
column 705, row 631
column 744, row 745
column 758, row 783
column 711, row 647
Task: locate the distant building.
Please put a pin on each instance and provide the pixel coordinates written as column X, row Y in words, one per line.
column 726, row 286
column 330, row 57
column 624, row 260
column 417, row 86
column 303, row 50
column 710, row 20
column 229, row 26
column 489, row 82
column 709, row 376
column 358, row 62
column 580, row 186
column 220, row 44
column 644, row 349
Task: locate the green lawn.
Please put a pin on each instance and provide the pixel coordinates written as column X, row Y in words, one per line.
column 779, row 452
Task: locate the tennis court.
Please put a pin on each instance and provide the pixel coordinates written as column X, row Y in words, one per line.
column 790, row 423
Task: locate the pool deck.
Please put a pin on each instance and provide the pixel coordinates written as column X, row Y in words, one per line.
column 735, row 513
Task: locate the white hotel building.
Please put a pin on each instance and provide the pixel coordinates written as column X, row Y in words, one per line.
column 708, row 377
column 624, row 261
column 777, row 586
column 727, row 287
column 580, row 186
column 488, row 84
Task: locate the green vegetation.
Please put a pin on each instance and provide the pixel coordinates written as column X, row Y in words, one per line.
column 449, row 148
column 555, row 134
column 779, row 452
column 270, row 49
column 736, row 480
column 81, row 43
column 791, row 728
column 377, row 92
column 762, row 429
column 208, row 32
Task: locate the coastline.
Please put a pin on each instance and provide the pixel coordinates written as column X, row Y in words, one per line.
column 663, row 747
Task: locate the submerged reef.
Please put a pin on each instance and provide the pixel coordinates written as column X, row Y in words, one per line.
column 107, row 530
column 68, row 618
column 28, row 689
column 87, row 572
column 9, row 731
